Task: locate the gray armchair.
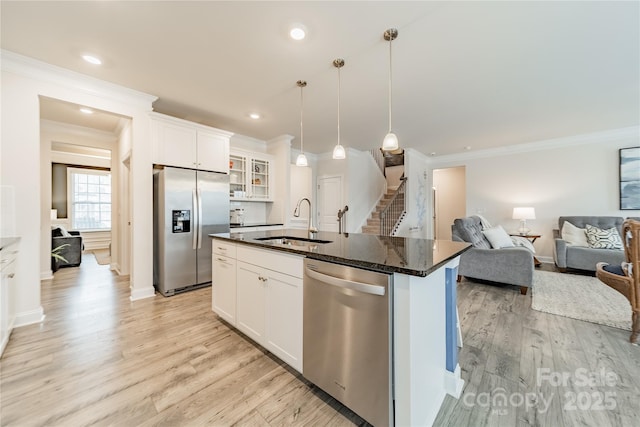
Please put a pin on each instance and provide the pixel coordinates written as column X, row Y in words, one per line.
column 513, row 266
column 72, row 253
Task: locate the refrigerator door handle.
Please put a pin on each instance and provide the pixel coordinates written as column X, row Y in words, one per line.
column 196, row 219
column 199, row 218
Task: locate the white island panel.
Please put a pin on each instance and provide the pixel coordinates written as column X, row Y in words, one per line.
column 421, row 378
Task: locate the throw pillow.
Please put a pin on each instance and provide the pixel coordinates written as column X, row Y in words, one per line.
column 498, row 237
column 603, row 239
column 573, row 235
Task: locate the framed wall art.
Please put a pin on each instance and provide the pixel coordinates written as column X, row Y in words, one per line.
column 630, row 178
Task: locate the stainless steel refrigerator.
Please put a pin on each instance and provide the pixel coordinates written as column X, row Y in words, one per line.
column 188, row 205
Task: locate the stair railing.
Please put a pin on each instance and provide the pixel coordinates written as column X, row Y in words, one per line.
column 377, row 155
column 391, row 215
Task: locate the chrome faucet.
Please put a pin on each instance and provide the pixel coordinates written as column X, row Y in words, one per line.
column 296, row 213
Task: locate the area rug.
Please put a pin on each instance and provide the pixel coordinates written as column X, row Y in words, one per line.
column 103, row 257
column 580, row 297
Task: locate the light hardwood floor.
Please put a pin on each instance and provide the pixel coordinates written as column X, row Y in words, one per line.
column 99, row 359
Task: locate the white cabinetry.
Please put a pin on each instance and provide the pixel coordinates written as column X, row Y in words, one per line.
column 251, row 176
column 185, row 144
column 223, row 293
column 268, row 302
column 251, row 301
column 8, row 256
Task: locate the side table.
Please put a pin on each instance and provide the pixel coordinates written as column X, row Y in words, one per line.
column 532, row 238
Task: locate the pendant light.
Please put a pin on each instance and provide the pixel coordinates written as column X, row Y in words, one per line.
column 390, row 141
column 338, row 150
column 302, row 159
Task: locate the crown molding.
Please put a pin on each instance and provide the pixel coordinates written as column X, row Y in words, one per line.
column 602, row 137
column 547, row 144
column 38, row 70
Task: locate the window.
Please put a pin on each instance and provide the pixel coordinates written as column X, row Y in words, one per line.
column 90, row 199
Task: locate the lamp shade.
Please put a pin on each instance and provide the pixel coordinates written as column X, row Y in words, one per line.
column 524, row 213
column 390, row 142
column 302, row 160
column 338, row 152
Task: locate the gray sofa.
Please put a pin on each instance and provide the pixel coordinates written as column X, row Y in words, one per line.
column 513, row 266
column 567, row 256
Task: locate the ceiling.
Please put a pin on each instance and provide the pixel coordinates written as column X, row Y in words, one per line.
column 466, row 75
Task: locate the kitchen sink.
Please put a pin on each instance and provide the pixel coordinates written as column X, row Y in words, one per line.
column 291, row 241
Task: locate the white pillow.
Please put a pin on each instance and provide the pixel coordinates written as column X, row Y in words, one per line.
column 573, row 235
column 603, row 239
column 498, row 237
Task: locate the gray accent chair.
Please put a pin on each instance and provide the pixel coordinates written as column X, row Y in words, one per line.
column 567, row 256
column 513, row 266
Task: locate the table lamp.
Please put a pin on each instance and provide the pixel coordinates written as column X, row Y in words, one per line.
column 523, row 214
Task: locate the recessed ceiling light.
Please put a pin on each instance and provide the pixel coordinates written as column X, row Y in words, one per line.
column 254, row 116
column 86, row 110
column 297, row 32
column 92, row 59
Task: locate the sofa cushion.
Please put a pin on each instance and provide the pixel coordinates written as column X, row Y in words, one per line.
column 498, row 237
column 470, row 230
column 573, row 235
column 603, row 222
column 587, row 258
column 603, row 239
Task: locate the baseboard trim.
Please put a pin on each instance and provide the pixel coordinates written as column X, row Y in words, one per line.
column 138, row 294
column 46, row 275
column 29, row 317
column 453, row 383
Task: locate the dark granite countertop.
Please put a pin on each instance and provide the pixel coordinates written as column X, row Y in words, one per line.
column 8, row 241
column 416, row 257
column 247, row 225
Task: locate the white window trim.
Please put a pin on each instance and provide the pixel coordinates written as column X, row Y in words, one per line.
column 85, row 171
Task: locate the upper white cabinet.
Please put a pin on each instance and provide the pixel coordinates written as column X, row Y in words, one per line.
column 250, row 176
column 185, row 144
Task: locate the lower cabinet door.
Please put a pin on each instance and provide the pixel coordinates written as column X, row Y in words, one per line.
column 284, row 318
column 223, row 288
column 251, row 284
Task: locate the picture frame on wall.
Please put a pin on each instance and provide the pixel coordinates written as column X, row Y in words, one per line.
column 630, row 178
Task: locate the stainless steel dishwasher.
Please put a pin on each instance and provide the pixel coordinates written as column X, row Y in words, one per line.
column 347, row 346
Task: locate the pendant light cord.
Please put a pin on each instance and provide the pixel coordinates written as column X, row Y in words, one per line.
column 390, row 92
column 338, row 105
column 301, row 128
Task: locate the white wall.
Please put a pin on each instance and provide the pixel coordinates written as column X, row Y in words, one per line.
column 418, row 221
column 362, row 184
column 23, row 81
column 365, row 185
column 569, row 176
column 121, row 251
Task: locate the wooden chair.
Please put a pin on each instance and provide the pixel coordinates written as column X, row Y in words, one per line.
column 626, row 278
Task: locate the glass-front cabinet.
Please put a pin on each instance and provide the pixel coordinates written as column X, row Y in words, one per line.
column 250, row 177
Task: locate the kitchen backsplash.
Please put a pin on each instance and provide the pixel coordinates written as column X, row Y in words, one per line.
column 254, row 212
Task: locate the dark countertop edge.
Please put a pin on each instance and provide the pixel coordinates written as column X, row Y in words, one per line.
column 343, row 261
column 8, row 241
column 233, row 225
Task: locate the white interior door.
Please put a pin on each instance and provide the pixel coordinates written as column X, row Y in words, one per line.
column 329, row 202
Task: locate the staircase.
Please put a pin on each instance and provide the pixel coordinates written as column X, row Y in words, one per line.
column 373, row 222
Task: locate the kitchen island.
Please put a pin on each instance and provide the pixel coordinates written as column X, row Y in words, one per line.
column 423, row 364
